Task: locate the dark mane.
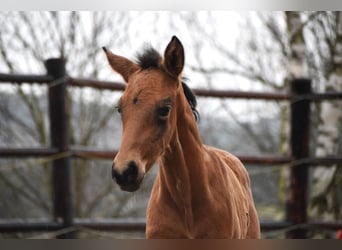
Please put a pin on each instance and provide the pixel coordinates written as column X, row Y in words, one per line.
column 149, row 58
column 191, row 99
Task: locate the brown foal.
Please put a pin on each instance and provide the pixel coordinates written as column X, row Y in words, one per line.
column 200, row 191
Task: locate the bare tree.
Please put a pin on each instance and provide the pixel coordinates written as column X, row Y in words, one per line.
column 26, row 40
column 271, row 49
column 327, row 181
column 261, row 51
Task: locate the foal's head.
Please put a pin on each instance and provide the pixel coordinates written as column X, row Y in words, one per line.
column 148, row 110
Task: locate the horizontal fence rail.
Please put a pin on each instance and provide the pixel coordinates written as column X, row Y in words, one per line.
column 108, row 85
column 13, row 225
column 82, row 152
column 17, row 78
column 129, row 224
column 119, row 86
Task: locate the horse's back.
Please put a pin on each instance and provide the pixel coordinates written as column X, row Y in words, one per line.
column 237, row 187
column 231, row 162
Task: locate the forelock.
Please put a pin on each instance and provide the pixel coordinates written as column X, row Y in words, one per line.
column 149, row 58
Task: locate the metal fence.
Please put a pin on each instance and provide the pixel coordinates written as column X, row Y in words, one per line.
column 300, row 96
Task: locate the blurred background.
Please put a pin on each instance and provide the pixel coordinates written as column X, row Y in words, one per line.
column 240, row 51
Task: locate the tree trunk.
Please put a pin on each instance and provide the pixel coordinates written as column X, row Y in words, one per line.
column 296, row 69
column 324, row 189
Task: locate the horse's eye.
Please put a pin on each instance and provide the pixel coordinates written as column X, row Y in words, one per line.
column 164, row 111
column 118, row 109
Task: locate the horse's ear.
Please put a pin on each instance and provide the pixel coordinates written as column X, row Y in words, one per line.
column 174, row 57
column 121, row 64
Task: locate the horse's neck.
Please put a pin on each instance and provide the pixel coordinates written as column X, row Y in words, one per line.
column 182, row 170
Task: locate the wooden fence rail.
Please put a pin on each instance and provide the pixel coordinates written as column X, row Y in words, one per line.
column 299, row 96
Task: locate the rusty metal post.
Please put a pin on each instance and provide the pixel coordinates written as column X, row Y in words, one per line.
column 297, row 199
column 59, row 133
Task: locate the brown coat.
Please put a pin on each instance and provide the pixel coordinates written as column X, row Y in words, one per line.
column 200, row 191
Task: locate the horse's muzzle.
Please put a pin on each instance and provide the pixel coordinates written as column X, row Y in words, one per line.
column 128, row 179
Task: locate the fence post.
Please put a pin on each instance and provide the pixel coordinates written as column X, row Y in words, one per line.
column 59, row 133
column 297, row 199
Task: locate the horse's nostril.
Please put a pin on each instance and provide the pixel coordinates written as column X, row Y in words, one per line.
column 131, row 173
column 128, row 176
